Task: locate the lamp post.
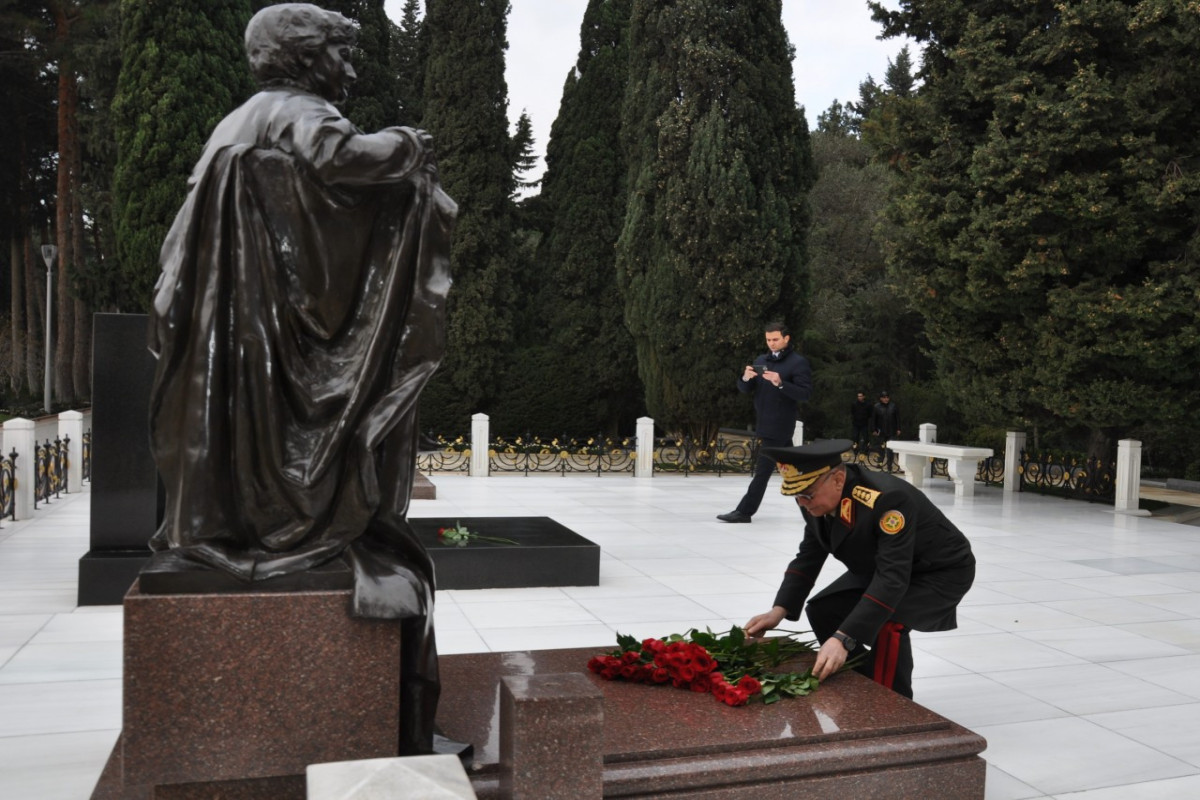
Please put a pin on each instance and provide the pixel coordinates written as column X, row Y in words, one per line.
column 49, row 252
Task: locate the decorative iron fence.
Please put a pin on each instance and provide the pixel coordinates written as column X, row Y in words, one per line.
column 85, row 447
column 51, row 472
column 8, row 486
column 1069, row 476
column 990, row 471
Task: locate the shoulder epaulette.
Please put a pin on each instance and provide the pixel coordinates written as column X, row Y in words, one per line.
column 865, row 496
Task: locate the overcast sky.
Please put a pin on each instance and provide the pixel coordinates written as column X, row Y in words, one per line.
column 835, row 40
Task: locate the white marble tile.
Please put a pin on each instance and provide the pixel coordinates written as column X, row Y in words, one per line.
column 1183, row 633
column 1043, row 590
column 1178, row 673
column 17, row 629
column 60, row 707
column 999, row 785
column 551, row 637
column 526, row 612
column 1089, row 689
column 1104, row 644
column 1169, row 789
column 1055, row 756
column 1023, row 617
column 53, row 766
column 1112, row 610
column 986, row 653
column 74, row 661
column 624, row 610
column 1174, row 730
column 975, row 700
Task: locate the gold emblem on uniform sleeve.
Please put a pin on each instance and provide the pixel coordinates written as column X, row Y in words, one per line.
column 847, row 512
column 892, row 522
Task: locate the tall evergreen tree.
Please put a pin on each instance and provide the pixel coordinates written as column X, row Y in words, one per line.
column 374, row 100
column 183, row 68
column 719, row 170
column 465, row 110
column 581, row 332
column 1051, row 195
column 407, row 63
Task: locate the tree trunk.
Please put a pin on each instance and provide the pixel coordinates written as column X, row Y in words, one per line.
column 17, row 315
column 35, row 323
column 68, row 158
column 81, row 345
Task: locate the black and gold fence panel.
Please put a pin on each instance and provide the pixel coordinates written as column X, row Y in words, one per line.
column 8, row 486
column 713, row 457
column 1076, row 477
column 50, row 475
column 990, row 471
column 86, row 456
column 445, row 455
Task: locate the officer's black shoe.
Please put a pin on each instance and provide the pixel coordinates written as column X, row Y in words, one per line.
column 734, row 516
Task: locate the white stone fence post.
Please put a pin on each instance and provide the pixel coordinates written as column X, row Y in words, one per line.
column 70, row 430
column 19, row 437
column 1129, row 475
column 480, row 433
column 1014, row 445
column 643, row 465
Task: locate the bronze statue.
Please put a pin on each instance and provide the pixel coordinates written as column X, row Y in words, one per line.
column 299, row 313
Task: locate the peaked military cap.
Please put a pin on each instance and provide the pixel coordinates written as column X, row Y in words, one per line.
column 801, row 466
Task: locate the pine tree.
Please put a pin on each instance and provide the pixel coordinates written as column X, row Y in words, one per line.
column 1049, row 210
column 719, row 170
column 183, row 68
column 465, row 109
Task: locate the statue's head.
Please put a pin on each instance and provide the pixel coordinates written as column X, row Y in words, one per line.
column 302, row 45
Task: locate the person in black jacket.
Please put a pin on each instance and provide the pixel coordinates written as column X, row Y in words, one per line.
column 861, row 414
column 907, row 565
column 886, row 421
column 778, row 380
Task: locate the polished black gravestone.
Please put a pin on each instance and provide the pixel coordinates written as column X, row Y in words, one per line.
column 547, row 553
column 126, row 495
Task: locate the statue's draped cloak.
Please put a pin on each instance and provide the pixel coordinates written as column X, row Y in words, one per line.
column 300, row 310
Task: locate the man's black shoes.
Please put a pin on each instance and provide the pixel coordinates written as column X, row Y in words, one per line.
column 734, row 516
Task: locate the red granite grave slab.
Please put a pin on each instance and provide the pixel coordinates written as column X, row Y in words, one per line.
column 851, row 738
column 251, row 686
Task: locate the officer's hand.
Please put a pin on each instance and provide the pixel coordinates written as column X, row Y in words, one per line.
column 766, row 621
column 830, row 659
column 773, row 377
column 748, row 373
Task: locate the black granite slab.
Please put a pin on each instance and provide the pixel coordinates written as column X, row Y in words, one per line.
column 126, row 496
column 548, row 553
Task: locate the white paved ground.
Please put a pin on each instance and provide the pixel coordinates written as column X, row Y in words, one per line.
column 1077, row 656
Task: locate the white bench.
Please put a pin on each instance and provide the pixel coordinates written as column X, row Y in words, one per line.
column 961, row 462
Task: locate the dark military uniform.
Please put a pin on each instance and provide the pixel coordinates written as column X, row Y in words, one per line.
column 907, row 564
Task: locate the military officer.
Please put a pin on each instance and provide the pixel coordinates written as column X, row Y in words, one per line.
column 907, row 565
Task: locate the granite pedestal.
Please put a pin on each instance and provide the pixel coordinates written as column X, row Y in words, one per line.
column 851, row 738
column 234, row 695
column 547, row 554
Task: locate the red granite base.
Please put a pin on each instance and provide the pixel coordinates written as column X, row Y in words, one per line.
column 423, row 488
column 852, row 738
column 239, row 693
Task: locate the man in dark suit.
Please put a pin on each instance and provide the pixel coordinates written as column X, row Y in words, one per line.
column 907, row 565
column 778, row 379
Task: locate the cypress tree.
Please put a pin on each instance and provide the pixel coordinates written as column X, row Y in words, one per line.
column 407, row 63
column 719, row 170
column 465, row 109
column 183, row 67
column 1051, row 194
column 582, row 333
column 374, row 100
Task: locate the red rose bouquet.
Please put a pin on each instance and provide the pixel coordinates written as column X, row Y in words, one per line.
column 729, row 666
